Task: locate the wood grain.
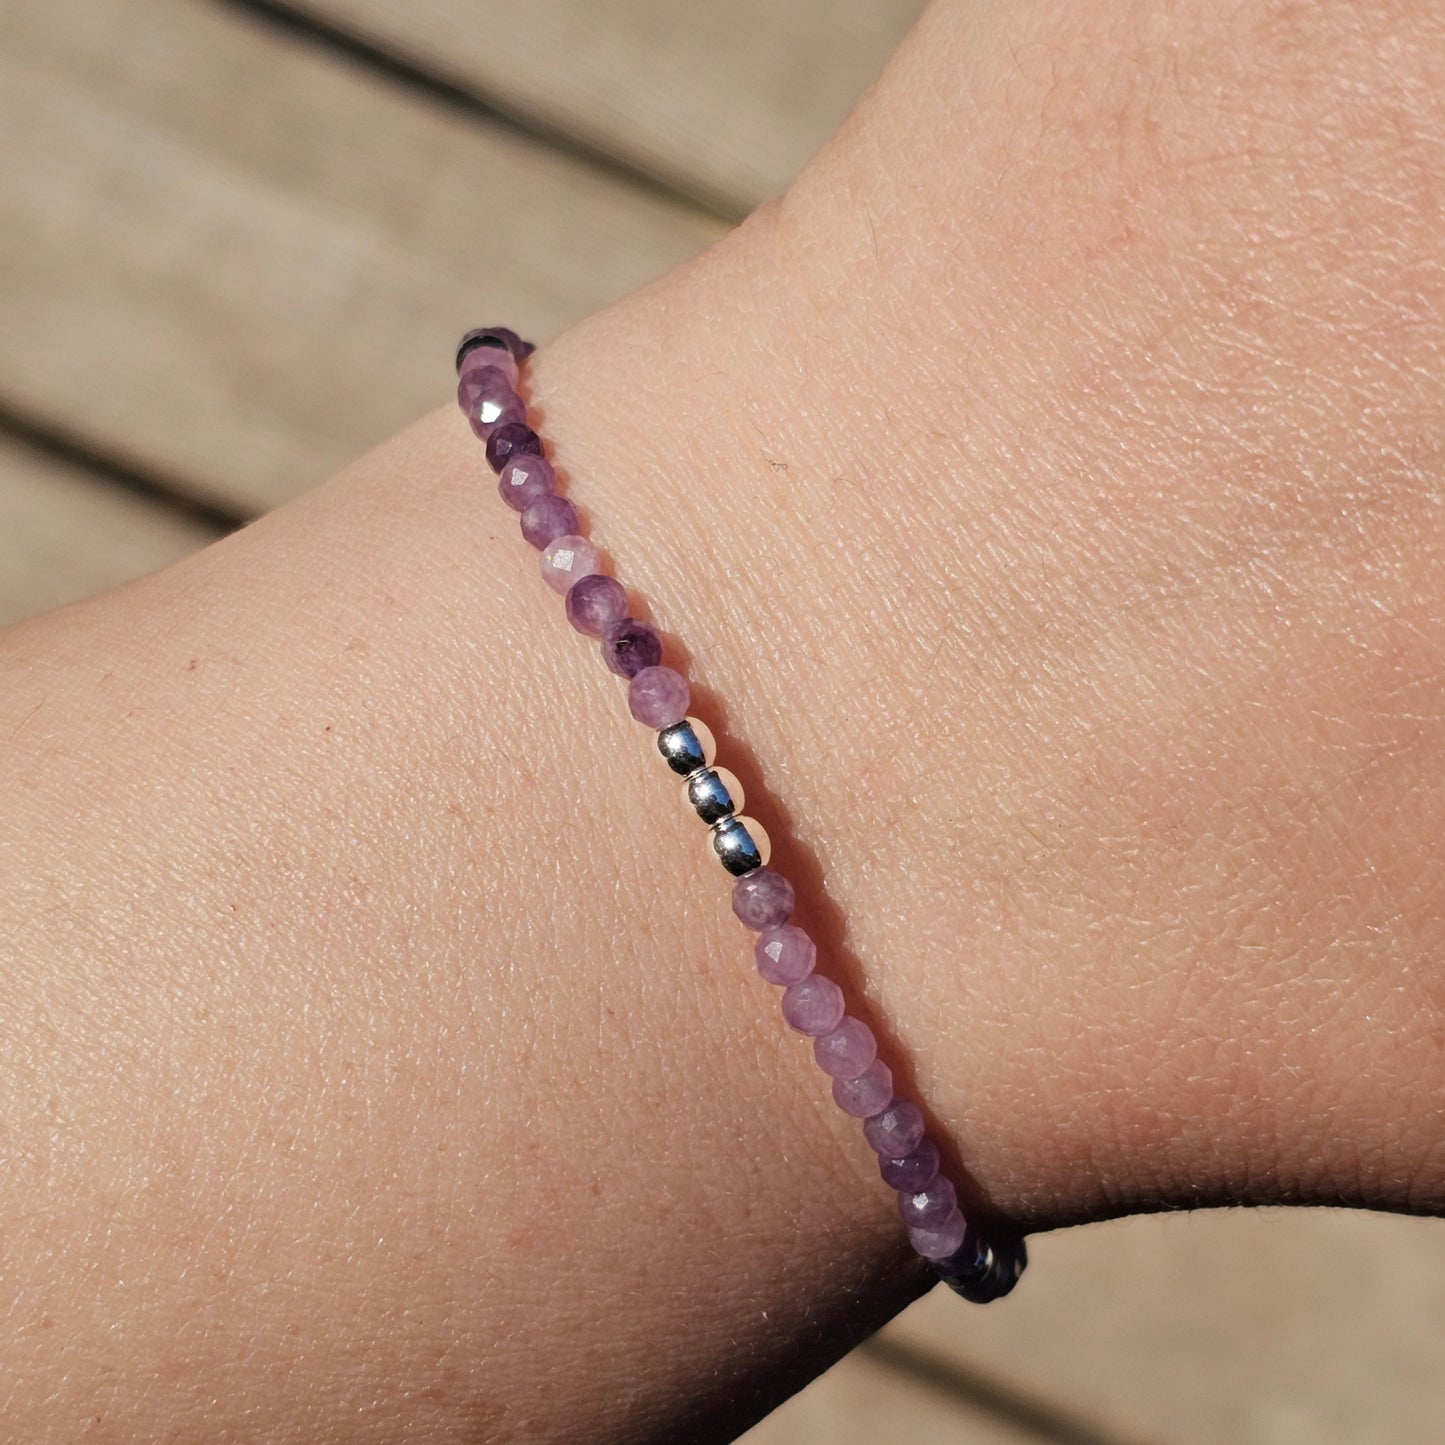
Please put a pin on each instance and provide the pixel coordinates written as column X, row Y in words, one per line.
column 722, row 101
column 234, row 261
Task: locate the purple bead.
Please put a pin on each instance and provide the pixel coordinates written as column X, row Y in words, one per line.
column 548, row 518
column 630, row 645
column 493, row 409
column 913, row 1171
column 486, row 337
column 763, row 899
column 941, row 1241
column 928, row 1207
column 567, row 559
column 847, row 1051
column 896, row 1131
column 595, row 603
column 511, row 439
column 866, row 1095
column 479, row 358
column 785, row 955
column 658, row 697
column 524, row 479
column 814, row 1006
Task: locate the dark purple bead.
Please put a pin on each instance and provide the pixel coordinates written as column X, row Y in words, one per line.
column 524, row 479
column 595, row 603
column 502, row 336
column 630, row 645
column 548, row 518
column 763, row 899
column 896, row 1131
column 913, row 1171
column 511, row 439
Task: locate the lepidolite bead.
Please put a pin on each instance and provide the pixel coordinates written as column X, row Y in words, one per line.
column 481, row 357
column 630, row 645
column 928, row 1207
column 913, row 1171
column 942, row 1240
column 866, row 1095
column 896, row 1130
column 488, row 338
column 814, row 1006
column 595, row 603
column 548, row 518
column 785, row 955
column 523, row 479
column 658, row 697
column 567, row 559
column 511, row 439
column 763, row 899
column 847, row 1050
column 495, row 408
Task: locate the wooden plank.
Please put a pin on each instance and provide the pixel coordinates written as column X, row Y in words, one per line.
column 1284, row 1327
column 230, row 258
column 722, row 101
column 64, row 534
column 862, row 1402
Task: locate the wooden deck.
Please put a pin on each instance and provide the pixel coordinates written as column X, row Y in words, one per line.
column 203, row 204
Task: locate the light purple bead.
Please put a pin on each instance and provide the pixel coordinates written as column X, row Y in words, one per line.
column 942, row 1240
column 595, row 603
column 482, row 337
column 508, row 440
column 913, row 1171
column 481, row 357
column 897, row 1131
column 785, row 955
column 567, row 559
column 630, row 645
column 494, row 409
column 548, row 518
column 814, row 1006
column 524, row 479
column 658, row 697
column 866, row 1095
column 930, row 1206
column 763, row 899
column 847, row 1051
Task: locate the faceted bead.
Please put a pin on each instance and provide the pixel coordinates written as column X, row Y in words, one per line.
column 687, row 746
column 567, row 559
column 940, row 1241
column 896, row 1131
column 928, row 1207
column 866, row 1095
column 712, row 794
column 630, row 645
column 764, row 899
column 595, row 603
column 658, row 697
column 511, row 439
column 495, row 408
column 913, row 1171
column 481, row 357
column 785, row 955
column 847, row 1051
column 524, row 479
column 493, row 337
column 814, row 1006
column 548, row 518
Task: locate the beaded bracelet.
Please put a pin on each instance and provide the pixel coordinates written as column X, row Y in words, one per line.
column 978, row 1268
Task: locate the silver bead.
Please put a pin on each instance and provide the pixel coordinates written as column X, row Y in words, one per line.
column 687, row 746
column 712, row 793
column 741, row 844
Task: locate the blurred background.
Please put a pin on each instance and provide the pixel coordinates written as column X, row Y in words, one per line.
column 238, row 239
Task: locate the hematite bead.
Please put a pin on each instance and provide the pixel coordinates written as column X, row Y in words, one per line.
column 741, row 844
column 713, row 793
column 687, row 746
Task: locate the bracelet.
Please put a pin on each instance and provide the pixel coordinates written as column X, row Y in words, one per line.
column 977, row 1267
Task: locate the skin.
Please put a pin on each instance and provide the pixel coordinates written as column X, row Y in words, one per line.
column 1048, row 488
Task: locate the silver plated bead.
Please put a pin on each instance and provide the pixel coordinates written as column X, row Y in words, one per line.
column 713, row 793
column 741, row 845
column 687, row 746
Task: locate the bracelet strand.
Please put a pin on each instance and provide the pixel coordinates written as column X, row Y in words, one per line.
column 978, row 1266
